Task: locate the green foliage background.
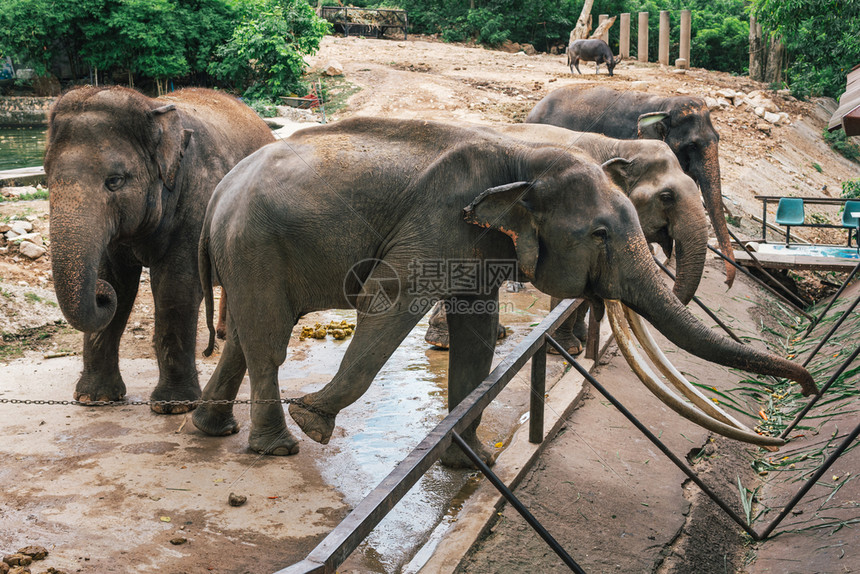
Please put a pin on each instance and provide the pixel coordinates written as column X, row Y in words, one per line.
column 252, row 46
column 822, row 38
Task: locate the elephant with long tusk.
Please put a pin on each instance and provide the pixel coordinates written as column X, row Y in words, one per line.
column 407, row 198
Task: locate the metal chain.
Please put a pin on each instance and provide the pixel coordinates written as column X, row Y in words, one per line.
column 196, row 403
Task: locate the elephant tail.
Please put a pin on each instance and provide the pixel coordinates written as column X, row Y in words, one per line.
column 205, row 266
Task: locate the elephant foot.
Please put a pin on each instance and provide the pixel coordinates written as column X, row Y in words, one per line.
column 170, row 393
column 454, row 457
column 280, row 443
column 213, row 422
column 571, row 343
column 92, row 388
column 437, row 335
column 318, row 425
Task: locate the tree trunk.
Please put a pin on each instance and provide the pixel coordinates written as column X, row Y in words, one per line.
column 604, row 27
column 775, row 60
column 583, row 23
column 757, row 52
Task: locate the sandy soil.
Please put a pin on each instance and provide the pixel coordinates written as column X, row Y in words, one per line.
column 427, row 79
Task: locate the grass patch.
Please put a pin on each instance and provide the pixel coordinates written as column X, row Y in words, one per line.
column 34, row 298
column 842, row 144
column 336, row 90
column 15, row 345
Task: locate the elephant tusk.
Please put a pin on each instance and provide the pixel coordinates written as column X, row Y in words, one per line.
column 643, row 335
column 615, row 312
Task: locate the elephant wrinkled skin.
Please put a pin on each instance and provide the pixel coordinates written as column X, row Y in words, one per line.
column 404, row 197
column 130, row 178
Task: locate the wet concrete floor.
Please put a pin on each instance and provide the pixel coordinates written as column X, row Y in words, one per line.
column 107, row 489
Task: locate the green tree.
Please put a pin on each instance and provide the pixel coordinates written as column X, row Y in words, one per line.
column 821, row 38
column 263, row 58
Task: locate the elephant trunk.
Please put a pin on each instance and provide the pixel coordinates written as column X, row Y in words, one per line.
column 78, row 243
column 649, row 297
column 690, row 234
column 706, row 172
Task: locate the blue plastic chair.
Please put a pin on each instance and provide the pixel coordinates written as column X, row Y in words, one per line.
column 852, row 222
column 789, row 212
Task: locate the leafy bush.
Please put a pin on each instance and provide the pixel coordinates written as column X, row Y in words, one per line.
column 842, row 144
column 851, row 189
column 263, row 58
column 820, row 37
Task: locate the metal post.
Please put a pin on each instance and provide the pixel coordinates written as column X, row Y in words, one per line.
column 702, row 306
column 642, row 48
column 773, row 291
column 684, row 52
column 663, row 49
column 515, row 502
column 764, row 221
column 820, row 393
column 832, row 330
column 537, row 400
column 832, row 301
column 624, row 38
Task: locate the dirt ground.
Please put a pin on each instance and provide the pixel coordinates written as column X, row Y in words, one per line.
column 424, row 78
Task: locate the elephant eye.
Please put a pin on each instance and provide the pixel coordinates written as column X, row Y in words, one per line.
column 667, row 197
column 600, row 233
column 114, row 182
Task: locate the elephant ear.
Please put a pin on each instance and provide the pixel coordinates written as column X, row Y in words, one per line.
column 171, row 142
column 505, row 208
column 653, row 126
column 619, row 170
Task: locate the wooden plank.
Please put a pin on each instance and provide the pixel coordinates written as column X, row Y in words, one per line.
column 806, row 262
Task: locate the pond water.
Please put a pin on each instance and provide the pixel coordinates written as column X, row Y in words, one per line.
column 22, row 147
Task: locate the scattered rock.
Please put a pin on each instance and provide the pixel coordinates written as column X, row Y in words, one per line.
column 529, row 49
column 727, row 93
column 34, row 552
column 762, row 127
column 772, row 118
column 31, row 251
column 237, row 499
column 784, row 93
column 639, row 85
column 179, row 540
column 510, row 47
column 683, row 91
column 711, row 103
column 679, row 71
column 724, row 103
column 17, row 559
column 21, row 226
column 20, row 238
column 682, row 63
column 333, row 68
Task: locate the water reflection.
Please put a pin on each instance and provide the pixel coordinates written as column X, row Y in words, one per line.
column 22, row 147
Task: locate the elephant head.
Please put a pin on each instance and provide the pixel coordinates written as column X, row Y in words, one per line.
column 112, row 161
column 569, row 247
column 667, row 201
column 685, row 125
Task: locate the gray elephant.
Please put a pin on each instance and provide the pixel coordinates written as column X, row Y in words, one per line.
column 407, row 199
column 591, row 50
column 682, row 122
column 667, row 202
column 130, row 178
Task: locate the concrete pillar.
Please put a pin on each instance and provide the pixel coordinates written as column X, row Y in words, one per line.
column 643, row 37
column 663, row 51
column 685, row 36
column 600, row 20
column 624, row 40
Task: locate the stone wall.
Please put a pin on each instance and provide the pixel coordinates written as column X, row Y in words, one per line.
column 24, row 111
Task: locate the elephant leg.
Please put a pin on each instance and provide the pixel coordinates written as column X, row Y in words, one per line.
column 177, row 303
column 472, row 326
column 573, row 333
column 218, row 420
column 376, row 337
column 437, row 330
column 101, row 379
